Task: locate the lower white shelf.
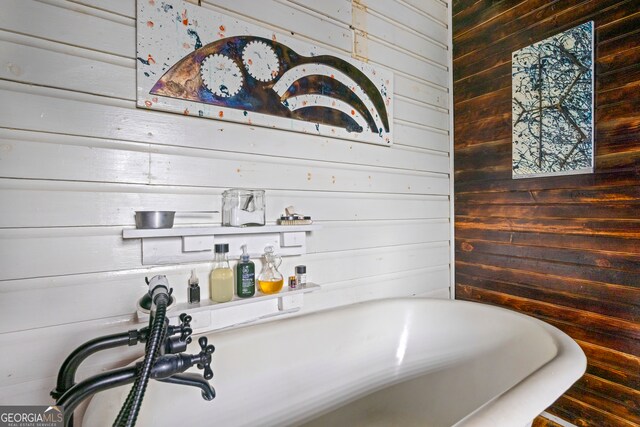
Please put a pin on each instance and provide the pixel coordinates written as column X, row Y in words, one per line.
column 209, row 316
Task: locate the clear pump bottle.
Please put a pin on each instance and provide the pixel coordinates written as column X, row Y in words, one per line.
column 221, row 278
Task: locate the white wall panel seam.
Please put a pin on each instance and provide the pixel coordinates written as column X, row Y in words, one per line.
column 327, row 149
column 401, row 61
column 314, row 6
column 373, row 37
column 124, row 8
column 400, row 26
column 412, row 4
column 418, row 125
column 32, row 18
column 89, row 10
column 421, row 104
column 66, row 49
column 452, row 248
column 33, row 184
column 81, row 148
column 418, row 79
column 339, row 46
column 61, row 94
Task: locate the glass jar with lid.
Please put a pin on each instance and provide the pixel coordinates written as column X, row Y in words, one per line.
column 243, row 207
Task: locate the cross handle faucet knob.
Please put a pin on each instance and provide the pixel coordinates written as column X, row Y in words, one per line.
column 205, row 355
column 185, row 327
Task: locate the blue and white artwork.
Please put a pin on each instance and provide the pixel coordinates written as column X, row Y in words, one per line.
column 552, row 105
column 194, row 61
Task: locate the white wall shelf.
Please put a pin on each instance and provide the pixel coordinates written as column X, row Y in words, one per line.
column 193, row 244
column 208, row 315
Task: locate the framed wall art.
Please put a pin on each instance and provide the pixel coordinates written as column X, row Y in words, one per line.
column 553, row 105
column 193, row 60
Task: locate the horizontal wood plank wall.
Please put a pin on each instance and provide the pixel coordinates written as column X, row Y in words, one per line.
column 563, row 249
column 77, row 158
column 544, row 422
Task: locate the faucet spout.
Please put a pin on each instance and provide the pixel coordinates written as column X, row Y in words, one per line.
column 167, row 368
column 193, row 380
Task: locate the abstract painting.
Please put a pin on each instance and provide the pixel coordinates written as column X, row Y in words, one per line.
column 194, row 61
column 552, row 105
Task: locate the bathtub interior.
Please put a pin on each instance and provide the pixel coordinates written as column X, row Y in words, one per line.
column 473, row 366
column 402, row 362
column 440, row 398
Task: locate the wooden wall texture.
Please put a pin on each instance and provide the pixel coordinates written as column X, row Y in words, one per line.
column 77, row 158
column 563, row 249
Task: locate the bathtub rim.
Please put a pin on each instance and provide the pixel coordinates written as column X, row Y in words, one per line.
column 559, row 373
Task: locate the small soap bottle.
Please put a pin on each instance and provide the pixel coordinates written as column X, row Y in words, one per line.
column 221, row 278
column 245, row 275
column 301, row 276
column 194, row 288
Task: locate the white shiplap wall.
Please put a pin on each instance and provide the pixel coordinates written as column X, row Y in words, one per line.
column 77, row 158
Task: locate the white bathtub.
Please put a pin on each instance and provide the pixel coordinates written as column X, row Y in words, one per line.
column 397, row 362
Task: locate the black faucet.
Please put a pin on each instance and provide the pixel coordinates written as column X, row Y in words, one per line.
column 168, row 368
column 164, row 361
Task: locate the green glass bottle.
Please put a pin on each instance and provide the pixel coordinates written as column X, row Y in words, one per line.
column 245, row 276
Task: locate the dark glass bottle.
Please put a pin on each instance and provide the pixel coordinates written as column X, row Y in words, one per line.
column 245, row 276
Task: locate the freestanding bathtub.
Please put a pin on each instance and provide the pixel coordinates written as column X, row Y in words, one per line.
column 396, row 362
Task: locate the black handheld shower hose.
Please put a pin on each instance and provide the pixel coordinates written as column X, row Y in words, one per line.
column 158, row 327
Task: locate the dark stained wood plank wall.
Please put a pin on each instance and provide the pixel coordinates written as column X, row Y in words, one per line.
column 563, row 249
column 543, row 422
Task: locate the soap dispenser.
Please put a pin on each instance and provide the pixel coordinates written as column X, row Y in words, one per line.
column 245, row 276
column 270, row 280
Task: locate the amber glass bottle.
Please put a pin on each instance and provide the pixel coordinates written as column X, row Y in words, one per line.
column 270, row 280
